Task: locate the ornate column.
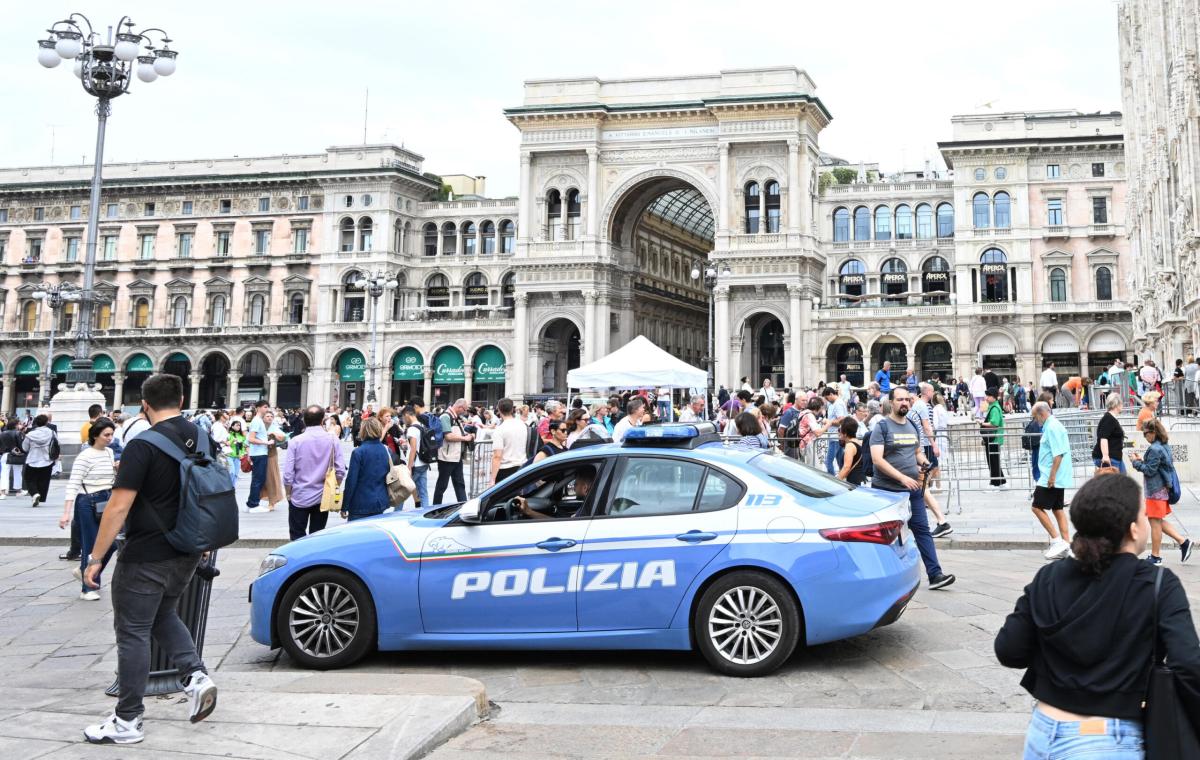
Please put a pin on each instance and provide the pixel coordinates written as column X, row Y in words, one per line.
column 591, row 329
column 118, row 389
column 6, row 396
column 593, row 197
column 272, row 387
column 304, row 383
column 794, row 191
column 1083, row 364
column 524, row 219
column 722, row 371
column 565, row 217
column 194, row 398
column 512, row 387
column 794, row 369
column 428, row 391
column 520, row 354
column 723, row 190
column 231, row 400
column 809, row 361
column 468, row 378
column 804, row 191
column 602, row 332
column 762, row 209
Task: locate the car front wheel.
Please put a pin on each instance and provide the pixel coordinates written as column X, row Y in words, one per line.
column 326, row 620
column 747, row 624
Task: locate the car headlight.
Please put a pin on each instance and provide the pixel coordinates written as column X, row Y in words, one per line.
column 271, row 562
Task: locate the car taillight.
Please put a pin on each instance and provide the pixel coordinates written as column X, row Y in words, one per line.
column 881, row 533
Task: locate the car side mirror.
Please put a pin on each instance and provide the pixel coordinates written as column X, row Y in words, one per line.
column 469, row 512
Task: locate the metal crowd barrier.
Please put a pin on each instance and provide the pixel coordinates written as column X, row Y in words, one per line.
column 477, row 465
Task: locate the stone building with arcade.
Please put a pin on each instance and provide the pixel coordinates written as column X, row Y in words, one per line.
column 241, row 274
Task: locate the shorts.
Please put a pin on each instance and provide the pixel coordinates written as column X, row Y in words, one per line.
column 1157, row 508
column 1048, row 498
column 933, row 460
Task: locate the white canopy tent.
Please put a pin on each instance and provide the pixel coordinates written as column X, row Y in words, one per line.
column 638, row 364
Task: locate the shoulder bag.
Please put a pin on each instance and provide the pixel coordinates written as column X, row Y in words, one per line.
column 1169, row 732
column 399, row 482
column 331, row 495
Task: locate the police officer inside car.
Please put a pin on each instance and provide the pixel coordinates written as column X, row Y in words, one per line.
column 583, row 486
column 899, row 465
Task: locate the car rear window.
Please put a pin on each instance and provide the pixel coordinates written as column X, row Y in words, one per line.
column 801, row 478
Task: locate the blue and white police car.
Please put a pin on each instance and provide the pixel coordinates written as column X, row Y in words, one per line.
column 671, row 540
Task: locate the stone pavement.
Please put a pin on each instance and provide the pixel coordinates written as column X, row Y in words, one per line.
column 926, row 687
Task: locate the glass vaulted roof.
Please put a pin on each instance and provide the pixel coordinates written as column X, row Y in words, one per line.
column 686, row 209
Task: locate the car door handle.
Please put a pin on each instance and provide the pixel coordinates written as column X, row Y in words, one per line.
column 695, row 536
column 556, row 544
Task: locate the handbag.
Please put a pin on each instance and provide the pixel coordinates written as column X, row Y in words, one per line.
column 400, row 484
column 331, row 495
column 1169, row 732
column 247, row 465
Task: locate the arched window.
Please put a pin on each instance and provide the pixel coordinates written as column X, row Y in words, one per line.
column 773, row 209
column 935, row 279
column 574, row 209
column 904, row 222
column 475, row 290
column 883, row 223
column 217, row 318
column 366, row 229
column 924, row 221
column 354, row 299
column 437, row 291
column 945, row 220
column 1104, row 284
column 1058, row 285
column 29, row 315
column 347, row 235
column 852, row 279
column 258, row 308
column 430, row 237
column 1002, row 210
column 508, row 236
column 449, row 239
column 554, row 215
column 468, row 233
column 508, row 290
column 296, row 309
column 993, row 276
column 752, row 211
column 980, row 204
column 841, row 225
column 179, row 312
column 488, row 230
column 141, row 312
column 894, row 277
column 862, row 223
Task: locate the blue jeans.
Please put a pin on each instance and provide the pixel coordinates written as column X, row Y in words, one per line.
column 1048, row 738
column 918, row 523
column 88, row 521
column 833, row 456
column 1033, row 464
column 258, row 478
column 1119, row 464
column 420, row 476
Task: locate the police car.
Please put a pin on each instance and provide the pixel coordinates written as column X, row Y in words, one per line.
column 672, row 540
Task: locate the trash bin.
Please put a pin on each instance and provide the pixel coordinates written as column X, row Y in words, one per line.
column 193, row 611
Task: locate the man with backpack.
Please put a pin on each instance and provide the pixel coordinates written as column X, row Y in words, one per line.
column 156, row 563
column 450, row 455
column 422, row 450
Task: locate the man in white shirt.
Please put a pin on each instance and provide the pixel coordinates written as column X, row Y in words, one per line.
column 1049, row 380
column 633, row 418
column 978, row 388
column 419, row 468
column 844, row 389
column 1191, row 385
column 508, row 443
column 694, row 412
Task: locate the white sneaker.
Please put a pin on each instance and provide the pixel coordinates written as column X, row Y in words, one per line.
column 115, row 731
column 1057, row 549
column 202, row 693
column 77, row 573
column 90, row 596
column 258, row 510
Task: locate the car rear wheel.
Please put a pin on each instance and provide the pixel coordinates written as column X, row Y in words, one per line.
column 326, row 620
column 747, row 624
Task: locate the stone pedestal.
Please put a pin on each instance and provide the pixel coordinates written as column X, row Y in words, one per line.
column 68, row 410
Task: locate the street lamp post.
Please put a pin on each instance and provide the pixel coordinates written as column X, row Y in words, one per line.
column 375, row 284
column 53, row 296
column 709, row 276
column 105, row 70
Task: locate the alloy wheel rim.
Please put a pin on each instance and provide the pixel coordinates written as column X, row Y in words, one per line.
column 324, row 620
column 745, row 625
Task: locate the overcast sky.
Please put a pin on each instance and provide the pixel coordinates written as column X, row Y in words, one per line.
column 258, row 77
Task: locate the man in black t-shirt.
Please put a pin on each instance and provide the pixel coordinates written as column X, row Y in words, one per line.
column 151, row 574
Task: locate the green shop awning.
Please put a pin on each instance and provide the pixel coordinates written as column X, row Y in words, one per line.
column 489, row 365
column 352, row 366
column 408, row 365
column 27, row 366
column 448, row 366
column 178, row 357
column 139, row 363
column 103, row 363
column 61, row 365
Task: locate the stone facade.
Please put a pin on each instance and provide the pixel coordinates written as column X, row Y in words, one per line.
column 1160, row 85
column 239, row 274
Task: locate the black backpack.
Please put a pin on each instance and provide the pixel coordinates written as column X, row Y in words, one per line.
column 1032, row 437
column 55, row 451
column 428, row 448
column 533, row 443
column 208, row 509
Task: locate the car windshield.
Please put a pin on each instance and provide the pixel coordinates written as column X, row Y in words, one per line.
column 804, row 480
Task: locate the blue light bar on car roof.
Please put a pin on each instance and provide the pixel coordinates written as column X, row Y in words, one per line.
column 662, row 431
column 678, row 434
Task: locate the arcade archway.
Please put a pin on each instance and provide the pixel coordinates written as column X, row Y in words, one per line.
column 560, row 352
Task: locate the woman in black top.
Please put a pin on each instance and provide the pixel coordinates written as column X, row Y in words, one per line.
column 852, row 456
column 1082, row 631
column 1110, row 437
column 556, row 443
